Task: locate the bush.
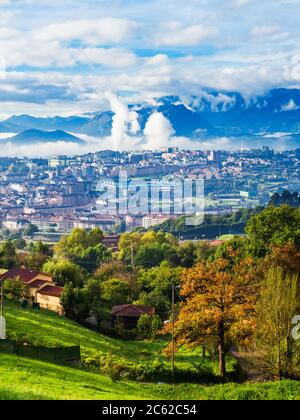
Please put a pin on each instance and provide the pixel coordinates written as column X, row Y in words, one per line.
column 106, row 364
column 15, row 289
column 149, row 326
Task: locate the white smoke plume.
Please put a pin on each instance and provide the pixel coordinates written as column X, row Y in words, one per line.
column 158, row 131
column 125, row 122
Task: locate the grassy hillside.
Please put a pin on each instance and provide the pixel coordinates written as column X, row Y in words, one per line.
column 45, row 328
column 22, row 378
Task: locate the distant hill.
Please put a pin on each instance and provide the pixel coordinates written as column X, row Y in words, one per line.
column 8, row 127
column 23, row 122
column 271, row 119
column 29, row 137
column 212, row 227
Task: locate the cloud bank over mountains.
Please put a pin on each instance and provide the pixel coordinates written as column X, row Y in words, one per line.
column 214, row 120
column 122, row 59
column 60, row 57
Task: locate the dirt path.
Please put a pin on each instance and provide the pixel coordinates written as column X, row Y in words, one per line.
column 246, row 363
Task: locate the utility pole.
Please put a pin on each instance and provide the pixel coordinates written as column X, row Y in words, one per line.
column 131, row 253
column 2, row 300
column 173, row 329
column 2, row 319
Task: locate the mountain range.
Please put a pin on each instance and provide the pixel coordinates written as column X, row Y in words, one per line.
column 266, row 118
column 33, row 136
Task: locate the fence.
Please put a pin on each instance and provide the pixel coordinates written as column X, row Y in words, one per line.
column 59, row 355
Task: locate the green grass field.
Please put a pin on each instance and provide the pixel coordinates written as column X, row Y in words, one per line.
column 226, row 237
column 22, row 378
column 45, row 328
column 25, row 379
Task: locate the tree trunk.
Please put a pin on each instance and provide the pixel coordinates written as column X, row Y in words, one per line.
column 279, row 361
column 221, row 349
column 203, row 351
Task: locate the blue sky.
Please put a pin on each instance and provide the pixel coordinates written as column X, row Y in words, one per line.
column 61, row 57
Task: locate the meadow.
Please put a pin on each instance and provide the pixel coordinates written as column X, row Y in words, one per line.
column 22, row 378
column 26, row 379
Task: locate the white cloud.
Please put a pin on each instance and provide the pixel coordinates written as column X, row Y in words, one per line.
column 111, row 57
column 269, row 33
column 241, row 2
column 158, row 131
column 92, row 32
column 142, row 50
column 174, row 34
column 290, row 106
column 264, row 30
column 124, row 122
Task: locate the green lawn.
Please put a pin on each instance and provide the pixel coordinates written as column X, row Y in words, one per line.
column 226, row 237
column 45, row 328
column 22, row 378
column 26, row 379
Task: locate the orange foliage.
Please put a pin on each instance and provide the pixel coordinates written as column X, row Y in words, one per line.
column 217, row 294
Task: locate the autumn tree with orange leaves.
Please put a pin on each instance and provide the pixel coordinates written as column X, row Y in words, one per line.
column 219, row 303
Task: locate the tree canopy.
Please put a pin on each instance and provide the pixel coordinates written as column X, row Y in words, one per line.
column 274, row 226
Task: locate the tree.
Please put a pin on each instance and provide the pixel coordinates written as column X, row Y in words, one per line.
column 146, row 250
column 15, row 289
column 219, row 303
column 128, row 246
column 156, row 326
column 148, row 326
column 30, row 230
column 117, row 270
column 150, row 255
column 75, row 303
column 37, row 256
column 234, row 250
column 113, row 269
column 156, row 286
column 287, row 197
column 115, row 292
column 94, row 297
column 8, row 256
column 65, row 271
column 144, row 326
column 83, row 248
column 277, row 352
column 184, row 255
column 19, row 243
column 273, row 226
column 92, row 257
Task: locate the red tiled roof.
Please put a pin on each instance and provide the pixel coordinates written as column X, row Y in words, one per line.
column 38, row 283
column 49, row 290
column 25, row 275
column 133, row 311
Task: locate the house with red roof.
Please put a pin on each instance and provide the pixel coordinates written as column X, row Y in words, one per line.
column 129, row 315
column 41, row 288
column 48, row 296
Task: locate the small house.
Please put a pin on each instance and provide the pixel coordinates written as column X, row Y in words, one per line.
column 48, row 297
column 129, row 315
column 41, row 288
